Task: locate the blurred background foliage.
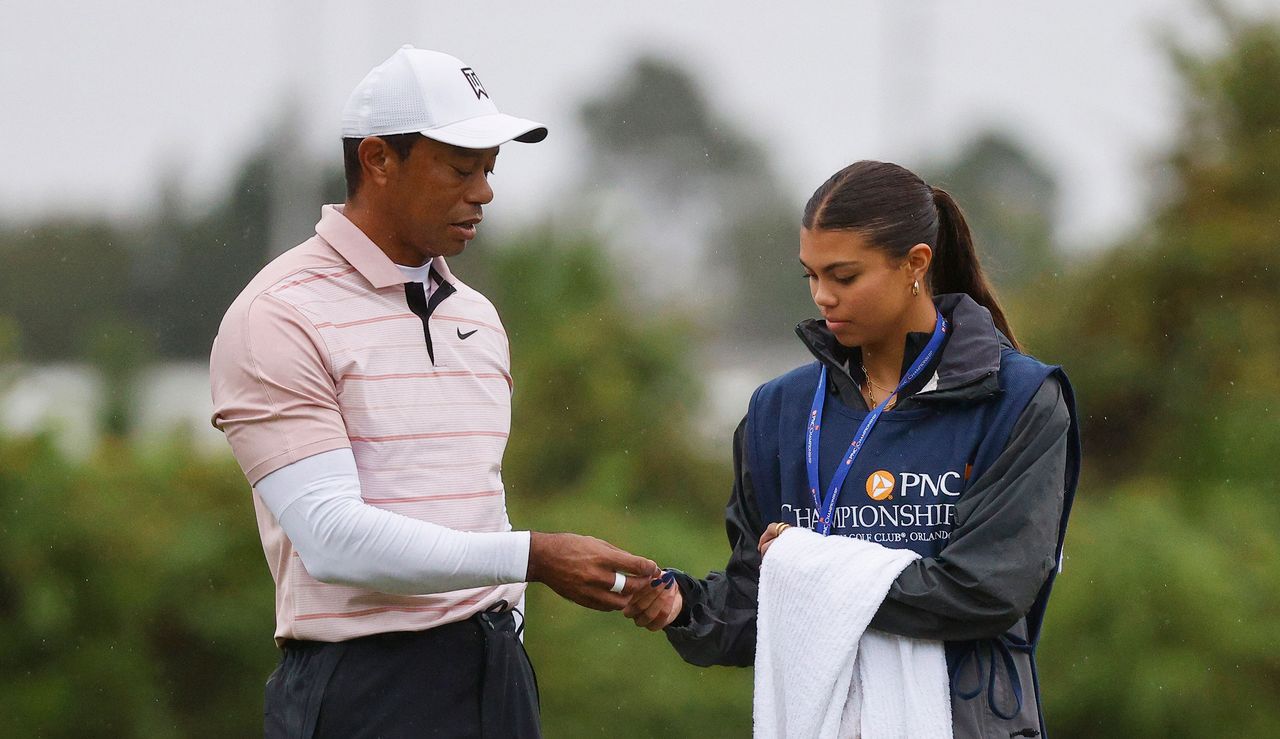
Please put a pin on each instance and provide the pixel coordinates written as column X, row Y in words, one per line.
column 134, row 600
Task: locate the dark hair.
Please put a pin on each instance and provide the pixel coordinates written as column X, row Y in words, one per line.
column 400, row 143
column 895, row 210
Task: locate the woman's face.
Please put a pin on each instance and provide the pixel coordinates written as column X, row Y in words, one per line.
column 863, row 294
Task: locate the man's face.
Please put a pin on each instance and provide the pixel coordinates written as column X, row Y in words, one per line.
column 434, row 197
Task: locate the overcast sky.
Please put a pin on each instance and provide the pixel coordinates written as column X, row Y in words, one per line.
column 98, row 98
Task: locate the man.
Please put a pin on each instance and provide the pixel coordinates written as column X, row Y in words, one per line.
column 365, row 392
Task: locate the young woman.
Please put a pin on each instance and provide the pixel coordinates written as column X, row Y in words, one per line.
column 970, row 455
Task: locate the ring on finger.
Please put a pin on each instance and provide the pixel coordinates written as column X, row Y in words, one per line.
column 619, row 582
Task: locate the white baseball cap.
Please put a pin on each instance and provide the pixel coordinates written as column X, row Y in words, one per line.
column 437, row 95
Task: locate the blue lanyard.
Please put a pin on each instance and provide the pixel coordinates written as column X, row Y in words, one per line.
column 826, row 506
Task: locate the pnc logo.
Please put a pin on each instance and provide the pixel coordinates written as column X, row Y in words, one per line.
column 880, row 485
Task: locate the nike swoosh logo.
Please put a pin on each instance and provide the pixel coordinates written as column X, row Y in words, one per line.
column 467, row 335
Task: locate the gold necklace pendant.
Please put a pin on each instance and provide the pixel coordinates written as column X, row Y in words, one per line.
column 874, row 384
column 871, row 398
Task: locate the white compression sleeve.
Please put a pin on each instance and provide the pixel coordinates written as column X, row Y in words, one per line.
column 343, row 540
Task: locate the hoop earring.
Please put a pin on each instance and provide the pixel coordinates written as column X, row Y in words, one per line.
column 915, row 288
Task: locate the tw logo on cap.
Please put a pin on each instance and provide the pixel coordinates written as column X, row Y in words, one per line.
column 472, row 78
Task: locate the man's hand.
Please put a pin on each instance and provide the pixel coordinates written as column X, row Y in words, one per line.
column 656, row 605
column 581, row 569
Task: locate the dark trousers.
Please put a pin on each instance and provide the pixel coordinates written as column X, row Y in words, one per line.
column 466, row 679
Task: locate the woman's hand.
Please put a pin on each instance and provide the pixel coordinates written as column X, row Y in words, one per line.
column 654, row 607
column 771, row 532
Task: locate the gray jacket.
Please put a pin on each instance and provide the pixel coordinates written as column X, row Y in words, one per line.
column 976, row 595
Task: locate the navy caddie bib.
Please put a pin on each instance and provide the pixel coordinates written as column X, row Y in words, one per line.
column 913, row 468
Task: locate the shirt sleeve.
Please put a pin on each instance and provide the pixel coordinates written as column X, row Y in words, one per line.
column 1003, row 546
column 343, row 540
column 273, row 393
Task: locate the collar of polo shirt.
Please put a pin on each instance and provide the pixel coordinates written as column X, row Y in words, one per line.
column 360, row 252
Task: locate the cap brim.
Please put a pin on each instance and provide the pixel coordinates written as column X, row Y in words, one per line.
column 487, row 131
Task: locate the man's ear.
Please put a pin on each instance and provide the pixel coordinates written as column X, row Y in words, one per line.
column 375, row 161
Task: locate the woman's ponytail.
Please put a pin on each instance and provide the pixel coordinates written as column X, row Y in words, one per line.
column 956, row 268
column 895, row 210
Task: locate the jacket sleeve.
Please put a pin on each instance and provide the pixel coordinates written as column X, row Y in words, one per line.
column 717, row 625
column 1003, row 545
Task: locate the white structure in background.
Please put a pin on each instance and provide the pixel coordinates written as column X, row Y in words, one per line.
column 732, row 375
column 173, row 402
column 66, row 400
column 59, row 398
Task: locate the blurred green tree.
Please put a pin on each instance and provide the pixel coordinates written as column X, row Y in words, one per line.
column 711, row 209
column 1179, row 325
column 604, row 395
column 1163, row 623
column 171, row 277
column 1009, row 199
column 205, row 259
column 56, row 275
column 657, row 120
column 120, row 351
column 134, row 601
column 10, row 352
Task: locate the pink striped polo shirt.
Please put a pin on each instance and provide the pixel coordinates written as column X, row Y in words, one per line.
column 321, row 351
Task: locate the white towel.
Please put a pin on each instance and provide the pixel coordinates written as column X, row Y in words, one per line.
column 820, row 674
